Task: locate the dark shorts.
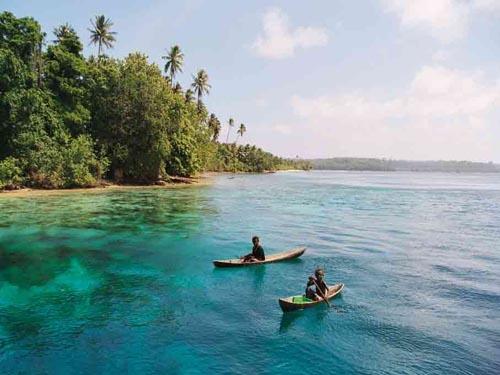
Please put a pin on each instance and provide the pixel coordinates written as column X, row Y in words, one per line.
column 311, row 294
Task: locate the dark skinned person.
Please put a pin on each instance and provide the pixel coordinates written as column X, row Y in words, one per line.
column 318, row 280
column 257, row 253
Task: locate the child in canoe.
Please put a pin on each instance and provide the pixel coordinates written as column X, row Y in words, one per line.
column 313, row 283
column 257, row 253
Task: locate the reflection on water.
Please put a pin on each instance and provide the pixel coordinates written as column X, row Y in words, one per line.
column 258, row 277
column 311, row 316
column 148, row 210
column 288, row 319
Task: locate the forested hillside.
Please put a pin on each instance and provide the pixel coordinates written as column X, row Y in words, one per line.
column 369, row 164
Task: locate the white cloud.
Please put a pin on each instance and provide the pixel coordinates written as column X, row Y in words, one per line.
column 278, row 40
column 442, row 114
column 446, row 20
column 435, row 91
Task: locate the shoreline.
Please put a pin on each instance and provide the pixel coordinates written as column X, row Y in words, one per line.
column 178, row 182
column 204, row 179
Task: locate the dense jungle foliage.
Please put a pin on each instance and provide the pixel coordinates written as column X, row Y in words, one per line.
column 69, row 121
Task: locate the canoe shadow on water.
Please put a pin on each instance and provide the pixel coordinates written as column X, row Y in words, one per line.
column 257, row 269
column 256, row 273
column 318, row 314
column 288, row 319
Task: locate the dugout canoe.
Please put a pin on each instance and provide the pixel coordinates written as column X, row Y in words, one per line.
column 288, row 304
column 278, row 257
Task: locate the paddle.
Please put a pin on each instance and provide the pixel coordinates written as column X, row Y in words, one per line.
column 321, row 293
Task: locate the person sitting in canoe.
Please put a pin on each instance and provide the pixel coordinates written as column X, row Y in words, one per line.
column 257, row 253
column 313, row 283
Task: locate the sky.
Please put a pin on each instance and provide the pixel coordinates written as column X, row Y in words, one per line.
column 400, row 79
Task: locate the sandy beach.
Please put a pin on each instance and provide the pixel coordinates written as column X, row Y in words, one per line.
column 178, row 182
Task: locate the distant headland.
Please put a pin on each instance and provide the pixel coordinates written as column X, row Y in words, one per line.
column 373, row 164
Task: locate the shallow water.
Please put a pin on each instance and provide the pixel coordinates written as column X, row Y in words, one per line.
column 122, row 281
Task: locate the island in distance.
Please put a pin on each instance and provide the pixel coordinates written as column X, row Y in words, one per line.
column 387, row 165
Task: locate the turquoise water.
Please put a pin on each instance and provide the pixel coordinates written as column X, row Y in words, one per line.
column 122, row 281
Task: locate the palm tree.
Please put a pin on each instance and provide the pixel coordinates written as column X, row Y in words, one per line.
column 175, row 60
column 66, row 36
column 189, row 95
column 177, row 88
column 230, row 125
column 214, row 126
column 200, row 84
column 240, row 132
column 62, row 32
column 100, row 33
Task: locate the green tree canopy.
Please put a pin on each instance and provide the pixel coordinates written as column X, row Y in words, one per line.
column 65, row 72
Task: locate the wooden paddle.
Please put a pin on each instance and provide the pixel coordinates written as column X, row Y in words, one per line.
column 321, row 293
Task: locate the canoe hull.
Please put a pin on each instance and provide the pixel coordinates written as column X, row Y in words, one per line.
column 287, row 305
column 291, row 254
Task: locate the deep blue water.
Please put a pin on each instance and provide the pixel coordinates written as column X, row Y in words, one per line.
column 121, row 282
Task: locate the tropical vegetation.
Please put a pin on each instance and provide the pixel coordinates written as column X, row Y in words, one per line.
column 67, row 120
column 101, row 33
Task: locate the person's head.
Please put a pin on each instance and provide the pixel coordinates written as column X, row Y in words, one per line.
column 319, row 273
column 255, row 240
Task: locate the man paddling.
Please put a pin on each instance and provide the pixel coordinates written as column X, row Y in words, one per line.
column 257, row 253
column 316, row 286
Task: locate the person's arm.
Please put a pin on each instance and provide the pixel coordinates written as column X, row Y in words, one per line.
column 320, row 285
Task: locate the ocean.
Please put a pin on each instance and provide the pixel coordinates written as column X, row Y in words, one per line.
column 122, row 281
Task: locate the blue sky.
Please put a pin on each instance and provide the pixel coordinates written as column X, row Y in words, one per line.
column 410, row 79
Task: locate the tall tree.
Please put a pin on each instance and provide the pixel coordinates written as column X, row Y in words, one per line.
column 214, row 126
column 242, row 129
column 229, row 127
column 67, row 38
column 189, row 95
column 175, row 60
column 200, row 84
column 101, row 33
column 132, row 114
column 20, row 39
column 65, row 73
column 177, row 88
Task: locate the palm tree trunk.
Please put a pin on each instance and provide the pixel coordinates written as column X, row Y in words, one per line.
column 99, row 49
column 227, row 137
column 199, row 102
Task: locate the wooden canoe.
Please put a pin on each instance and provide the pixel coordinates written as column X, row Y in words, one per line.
column 290, row 254
column 287, row 304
